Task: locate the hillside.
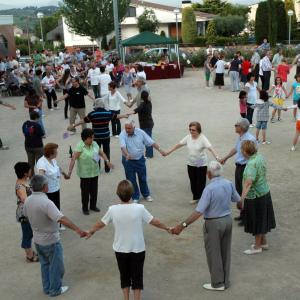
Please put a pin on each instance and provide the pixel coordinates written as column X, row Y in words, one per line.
column 21, row 14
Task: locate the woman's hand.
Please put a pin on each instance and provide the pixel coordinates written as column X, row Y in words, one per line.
column 110, row 165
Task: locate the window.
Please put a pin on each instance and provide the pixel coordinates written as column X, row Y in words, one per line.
column 3, row 42
column 131, row 12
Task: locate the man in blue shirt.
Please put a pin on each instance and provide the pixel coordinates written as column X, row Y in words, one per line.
column 241, row 128
column 215, row 206
column 133, row 141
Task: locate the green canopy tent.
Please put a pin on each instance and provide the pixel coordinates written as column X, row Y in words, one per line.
column 148, row 38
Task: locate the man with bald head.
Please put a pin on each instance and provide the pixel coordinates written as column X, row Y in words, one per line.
column 133, row 141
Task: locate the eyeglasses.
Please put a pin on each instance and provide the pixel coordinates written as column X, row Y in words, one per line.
column 192, row 130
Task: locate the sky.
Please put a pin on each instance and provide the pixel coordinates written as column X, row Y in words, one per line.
column 5, row 4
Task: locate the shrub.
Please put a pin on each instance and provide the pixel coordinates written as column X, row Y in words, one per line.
column 200, row 41
column 188, row 25
column 229, row 25
column 211, row 32
column 198, row 58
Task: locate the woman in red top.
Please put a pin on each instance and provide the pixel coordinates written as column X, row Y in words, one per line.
column 283, row 70
column 246, row 65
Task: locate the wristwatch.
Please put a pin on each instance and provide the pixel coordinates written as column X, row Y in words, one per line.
column 184, row 225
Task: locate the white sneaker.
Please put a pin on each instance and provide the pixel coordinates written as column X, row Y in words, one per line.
column 209, row 287
column 149, row 199
column 116, row 136
column 62, row 228
column 56, row 108
column 293, row 148
column 264, row 247
column 251, row 125
column 135, row 201
column 193, row 202
column 64, row 289
column 266, row 143
column 51, row 109
column 4, row 147
column 253, row 251
column 72, row 132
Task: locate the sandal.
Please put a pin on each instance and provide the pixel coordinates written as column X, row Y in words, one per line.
column 34, row 258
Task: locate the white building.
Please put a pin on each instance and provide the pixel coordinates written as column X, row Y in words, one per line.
column 165, row 15
column 18, row 31
column 252, row 13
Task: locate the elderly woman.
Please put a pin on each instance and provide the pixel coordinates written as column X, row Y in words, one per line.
column 87, row 154
column 258, row 208
column 129, row 244
column 23, row 190
column 197, row 160
column 48, row 167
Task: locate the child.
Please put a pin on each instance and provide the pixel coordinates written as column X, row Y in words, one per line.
column 207, row 69
column 283, row 70
column 246, row 65
column 262, row 115
column 278, row 96
column 251, row 89
column 297, row 133
column 295, row 89
column 243, row 104
column 127, row 80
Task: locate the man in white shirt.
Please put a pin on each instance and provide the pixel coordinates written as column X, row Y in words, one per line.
column 104, row 80
column 44, row 218
column 49, row 83
column 93, row 77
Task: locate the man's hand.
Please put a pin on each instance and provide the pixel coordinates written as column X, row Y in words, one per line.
column 128, row 157
column 239, row 205
column 110, row 165
column 162, row 152
column 88, row 235
column 222, row 161
column 177, row 229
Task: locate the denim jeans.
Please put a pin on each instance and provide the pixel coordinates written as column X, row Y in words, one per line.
column 26, row 235
column 149, row 150
column 52, row 267
column 96, row 90
column 133, row 168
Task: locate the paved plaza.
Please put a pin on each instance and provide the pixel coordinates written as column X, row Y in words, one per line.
column 175, row 266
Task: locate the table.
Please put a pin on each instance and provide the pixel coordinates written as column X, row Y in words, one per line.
column 163, row 72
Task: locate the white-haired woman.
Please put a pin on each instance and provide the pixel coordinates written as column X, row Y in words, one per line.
column 197, row 160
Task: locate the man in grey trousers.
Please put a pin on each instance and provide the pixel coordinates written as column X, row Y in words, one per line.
column 215, row 206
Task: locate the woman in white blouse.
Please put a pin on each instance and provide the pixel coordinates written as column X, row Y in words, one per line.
column 113, row 102
column 129, row 244
column 48, row 167
column 197, row 160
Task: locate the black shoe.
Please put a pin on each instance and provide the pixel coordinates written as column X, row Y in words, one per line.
column 86, row 212
column 96, row 209
column 239, row 218
column 241, row 223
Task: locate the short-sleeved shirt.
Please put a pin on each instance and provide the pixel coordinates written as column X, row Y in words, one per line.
column 296, row 93
column 36, row 84
column 114, row 100
column 49, row 82
column 283, row 71
column 76, row 96
column 234, row 65
column 135, row 143
column 52, row 172
column 216, row 198
column 104, row 80
column 43, row 216
column 196, row 150
column 33, row 133
column 87, row 163
column 144, row 111
column 220, row 66
column 240, row 159
column 245, row 67
column 252, row 92
column 100, row 119
column 256, row 171
column 128, row 220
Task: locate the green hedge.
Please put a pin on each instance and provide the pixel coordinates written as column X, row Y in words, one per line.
column 201, row 41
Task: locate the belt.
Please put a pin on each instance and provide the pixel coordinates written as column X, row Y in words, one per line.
column 240, row 165
column 207, row 219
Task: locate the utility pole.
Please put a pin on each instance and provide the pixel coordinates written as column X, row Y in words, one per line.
column 28, row 39
column 116, row 25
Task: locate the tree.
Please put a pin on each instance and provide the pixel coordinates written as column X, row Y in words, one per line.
column 272, row 22
column 48, row 24
column 211, row 32
column 147, row 21
column 229, row 25
column 93, row 18
column 188, row 25
column 282, row 21
column 289, row 5
column 261, row 22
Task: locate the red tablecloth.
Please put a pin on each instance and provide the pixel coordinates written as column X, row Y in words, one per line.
column 163, row 72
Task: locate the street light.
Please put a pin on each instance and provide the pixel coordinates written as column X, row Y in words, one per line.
column 40, row 16
column 176, row 12
column 290, row 14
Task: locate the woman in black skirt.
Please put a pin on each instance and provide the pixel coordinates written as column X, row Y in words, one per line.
column 220, row 69
column 259, row 216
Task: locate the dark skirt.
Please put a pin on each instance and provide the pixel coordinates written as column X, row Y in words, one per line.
column 259, row 215
column 219, row 81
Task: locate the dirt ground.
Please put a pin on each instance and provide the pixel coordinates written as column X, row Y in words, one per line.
column 175, row 267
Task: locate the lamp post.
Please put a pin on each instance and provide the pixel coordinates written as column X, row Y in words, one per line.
column 116, row 25
column 40, row 16
column 290, row 14
column 176, row 12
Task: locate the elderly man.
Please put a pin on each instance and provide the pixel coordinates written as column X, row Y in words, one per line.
column 214, row 205
column 140, row 86
column 44, row 218
column 266, row 67
column 133, row 141
column 100, row 119
column 241, row 128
